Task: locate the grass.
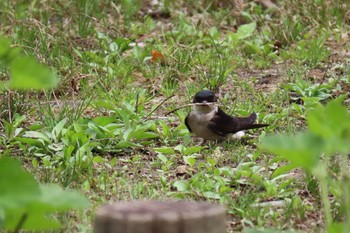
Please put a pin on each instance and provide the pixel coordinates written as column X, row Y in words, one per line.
column 103, row 131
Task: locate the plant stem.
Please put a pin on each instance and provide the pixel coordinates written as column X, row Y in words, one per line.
column 20, row 223
column 321, row 174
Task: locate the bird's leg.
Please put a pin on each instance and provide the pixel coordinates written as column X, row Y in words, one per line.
column 202, row 142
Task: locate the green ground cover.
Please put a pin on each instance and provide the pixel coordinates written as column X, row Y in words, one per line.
column 123, row 65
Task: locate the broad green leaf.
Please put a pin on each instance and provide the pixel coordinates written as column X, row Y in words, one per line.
column 33, row 220
column 126, row 144
column 338, row 228
column 123, row 44
column 78, row 127
column 190, row 160
column 18, row 120
column 192, row 150
column 80, row 138
column 57, row 130
column 100, row 131
column 7, row 54
column 113, row 47
column 100, row 103
column 282, row 170
column 245, row 30
column 37, row 135
column 99, row 159
column 332, row 123
column 139, row 135
column 181, row 186
column 165, row 150
column 50, row 198
column 303, row 149
column 165, row 128
column 127, row 135
column 19, row 190
column 31, row 141
column 17, row 186
column 4, row 47
column 329, row 121
column 81, row 154
column 103, row 120
column 68, row 151
column 56, row 146
column 162, row 157
column 27, row 73
column 179, row 148
column 55, row 198
column 211, row 195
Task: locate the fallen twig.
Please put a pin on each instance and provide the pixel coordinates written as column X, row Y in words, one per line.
column 189, row 105
column 161, row 103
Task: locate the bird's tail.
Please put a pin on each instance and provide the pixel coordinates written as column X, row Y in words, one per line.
column 248, row 122
column 256, row 126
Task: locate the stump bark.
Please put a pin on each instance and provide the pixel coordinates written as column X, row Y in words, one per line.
column 160, row 217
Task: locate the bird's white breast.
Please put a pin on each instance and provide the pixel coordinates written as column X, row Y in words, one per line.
column 198, row 121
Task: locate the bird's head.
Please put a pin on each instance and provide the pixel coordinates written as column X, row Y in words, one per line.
column 205, row 100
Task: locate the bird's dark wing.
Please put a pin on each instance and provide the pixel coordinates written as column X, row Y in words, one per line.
column 224, row 124
column 187, row 124
column 248, row 122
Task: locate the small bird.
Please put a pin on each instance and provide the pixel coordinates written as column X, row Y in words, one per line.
column 209, row 122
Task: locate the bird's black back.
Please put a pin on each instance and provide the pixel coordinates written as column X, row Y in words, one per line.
column 224, row 124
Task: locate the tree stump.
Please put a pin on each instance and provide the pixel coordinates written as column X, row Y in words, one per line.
column 160, row 217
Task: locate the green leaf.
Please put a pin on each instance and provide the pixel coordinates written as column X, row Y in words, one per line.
column 329, row 121
column 101, row 131
column 139, row 135
column 211, row 195
column 51, row 198
column 80, row 138
column 4, row 47
column 181, row 186
column 7, row 54
column 100, row 103
column 245, row 30
column 33, row 220
column 162, row 157
column 37, row 135
column 17, row 186
column 179, row 148
column 192, row 150
column 55, row 198
column 332, row 123
column 282, row 170
column 27, row 73
column 126, row 144
column 338, row 228
column 123, row 43
column 165, row 150
column 57, row 130
column 190, row 160
column 303, row 149
column 22, row 198
column 103, row 120
column 99, row 159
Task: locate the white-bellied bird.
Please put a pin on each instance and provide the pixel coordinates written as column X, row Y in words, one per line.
column 209, row 122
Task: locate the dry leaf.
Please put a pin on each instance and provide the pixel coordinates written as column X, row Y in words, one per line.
column 157, row 56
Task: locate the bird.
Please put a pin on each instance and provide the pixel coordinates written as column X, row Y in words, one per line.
column 209, row 122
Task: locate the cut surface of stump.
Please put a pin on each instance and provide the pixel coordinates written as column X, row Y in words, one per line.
column 160, row 217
